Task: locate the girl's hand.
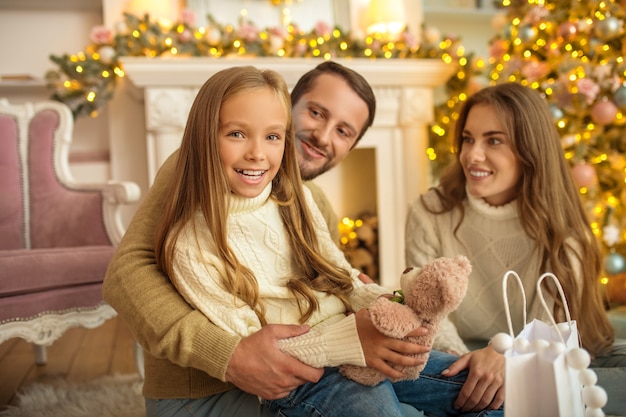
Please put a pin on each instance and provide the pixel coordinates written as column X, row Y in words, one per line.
column 380, row 351
column 484, row 387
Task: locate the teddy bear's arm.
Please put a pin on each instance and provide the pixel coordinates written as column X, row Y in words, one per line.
column 393, row 319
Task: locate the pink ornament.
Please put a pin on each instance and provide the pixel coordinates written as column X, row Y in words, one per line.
column 567, row 30
column 185, row 36
column 101, row 35
column 604, row 112
column 584, row 175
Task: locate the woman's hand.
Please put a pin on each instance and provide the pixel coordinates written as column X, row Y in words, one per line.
column 484, row 387
column 380, row 351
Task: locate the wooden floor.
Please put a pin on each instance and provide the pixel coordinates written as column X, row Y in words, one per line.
column 79, row 355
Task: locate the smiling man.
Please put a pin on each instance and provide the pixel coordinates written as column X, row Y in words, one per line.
column 332, row 109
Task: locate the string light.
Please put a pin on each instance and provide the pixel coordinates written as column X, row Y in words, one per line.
column 92, row 74
column 575, row 58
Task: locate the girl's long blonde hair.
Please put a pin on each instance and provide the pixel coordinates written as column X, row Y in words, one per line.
column 550, row 208
column 199, row 183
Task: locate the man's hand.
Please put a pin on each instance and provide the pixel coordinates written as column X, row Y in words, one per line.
column 259, row 367
column 484, row 387
column 365, row 279
column 380, row 350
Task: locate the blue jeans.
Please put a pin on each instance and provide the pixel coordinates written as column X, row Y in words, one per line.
column 335, row 395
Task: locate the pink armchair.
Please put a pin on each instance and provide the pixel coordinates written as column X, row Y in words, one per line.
column 57, row 236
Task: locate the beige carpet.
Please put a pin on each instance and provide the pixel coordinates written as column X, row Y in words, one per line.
column 118, row 396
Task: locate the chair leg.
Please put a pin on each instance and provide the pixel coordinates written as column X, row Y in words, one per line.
column 138, row 355
column 41, row 356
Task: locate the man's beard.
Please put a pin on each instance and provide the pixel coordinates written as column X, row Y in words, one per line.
column 308, row 173
column 308, row 169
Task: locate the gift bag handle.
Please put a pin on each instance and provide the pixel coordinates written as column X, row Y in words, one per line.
column 509, row 321
column 545, row 305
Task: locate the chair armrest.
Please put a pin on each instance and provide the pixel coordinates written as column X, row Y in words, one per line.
column 115, row 194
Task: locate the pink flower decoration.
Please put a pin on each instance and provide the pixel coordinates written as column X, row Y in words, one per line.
column 101, row 35
column 188, row 17
column 603, row 71
column 278, row 31
column 322, row 29
column 588, row 88
column 536, row 14
column 185, row 36
column 300, row 49
column 535, row 70
column 409, row 39
column 248, row 32
column 497, row 49
column 276, row 43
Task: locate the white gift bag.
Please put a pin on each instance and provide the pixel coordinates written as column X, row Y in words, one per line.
column 542, row 363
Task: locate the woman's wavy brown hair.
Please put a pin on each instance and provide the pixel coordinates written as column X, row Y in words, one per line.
column 549, row 204
column 200, row 184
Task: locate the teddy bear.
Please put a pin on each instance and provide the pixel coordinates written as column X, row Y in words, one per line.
column 430, row 294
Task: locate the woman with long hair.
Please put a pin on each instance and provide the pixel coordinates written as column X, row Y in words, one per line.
column 508, row 202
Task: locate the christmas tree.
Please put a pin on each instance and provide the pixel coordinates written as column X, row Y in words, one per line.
column 572, row 52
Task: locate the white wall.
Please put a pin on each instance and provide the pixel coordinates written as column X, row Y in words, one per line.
column 33, row 30
column 304, row 13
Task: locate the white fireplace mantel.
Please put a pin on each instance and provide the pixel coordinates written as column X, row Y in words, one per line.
column 399, row 135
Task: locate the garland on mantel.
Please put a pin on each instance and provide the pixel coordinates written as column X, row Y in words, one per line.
column 86, row 81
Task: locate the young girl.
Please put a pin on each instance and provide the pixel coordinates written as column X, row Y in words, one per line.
column 508, row 202
column 244, row 243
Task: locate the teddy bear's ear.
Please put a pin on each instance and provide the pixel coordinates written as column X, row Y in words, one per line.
column 464, row 263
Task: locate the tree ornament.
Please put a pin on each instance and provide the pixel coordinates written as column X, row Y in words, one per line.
column 107, row 54
column 608, row 28
column 567, row 30
column 611, row 235
column 557, row 113
column 584, row 175
column 619, row 97
column 616, row 289
column 604, row 112
column 614, row 263
column 527, row 33
column 568, row 140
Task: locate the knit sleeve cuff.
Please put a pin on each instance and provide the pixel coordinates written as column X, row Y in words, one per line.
column 332, row 345
column 364, row 296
